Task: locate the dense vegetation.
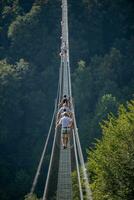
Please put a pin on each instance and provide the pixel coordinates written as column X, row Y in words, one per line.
column 111, row 163
column 102, row 63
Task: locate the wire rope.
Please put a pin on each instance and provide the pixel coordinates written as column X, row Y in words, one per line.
column 35, row 181
column 77, row 167
column 70, row 94
column 88, row 191
column 43, row 154
column 55, row 136
column 84, row 171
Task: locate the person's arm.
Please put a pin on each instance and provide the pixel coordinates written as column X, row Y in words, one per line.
column 58, row 124
column 61, row 103
column 59, row 113
column 70, row 114
column 71, row 124
column 58, row 116
column 69, row 102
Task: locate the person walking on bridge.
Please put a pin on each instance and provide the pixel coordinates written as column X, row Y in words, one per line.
column 66, row 124
column 63, row 109
column 66, row 100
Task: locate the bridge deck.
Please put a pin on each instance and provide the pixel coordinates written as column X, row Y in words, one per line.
column 64, row 190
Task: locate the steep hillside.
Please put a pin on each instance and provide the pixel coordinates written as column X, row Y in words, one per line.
column 102, row 64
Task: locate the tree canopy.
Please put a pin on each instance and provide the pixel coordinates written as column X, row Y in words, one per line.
column 101, row 52
column 110, row 164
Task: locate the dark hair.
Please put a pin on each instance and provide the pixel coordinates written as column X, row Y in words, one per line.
column 66, row 114
column 65, row 101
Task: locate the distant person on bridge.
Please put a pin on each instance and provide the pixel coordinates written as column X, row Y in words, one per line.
column 65, row 100
column 63, row 49
column 63, row 109
column 66, row 124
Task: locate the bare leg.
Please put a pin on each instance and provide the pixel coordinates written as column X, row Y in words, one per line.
column 66, row 142
column 62, row 140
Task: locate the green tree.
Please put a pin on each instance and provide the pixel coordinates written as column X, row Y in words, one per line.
column 31, row 197
column 106, row 105
column 111, row 162
column 75, row 186
column 101, row 41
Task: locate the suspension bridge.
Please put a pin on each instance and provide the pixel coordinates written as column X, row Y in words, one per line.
column 63, row 187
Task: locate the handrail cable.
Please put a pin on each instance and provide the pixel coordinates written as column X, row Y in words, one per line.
column 74, row 140
column 88, row 190
column 54, row 140
column 70, row 92
column 84, row 171
column 48, row 136
column 50, row 166
column 77, row 167
column 77, row 145
column 43, row 154
column 85, row 176
column 60, row 81
column 64, row 187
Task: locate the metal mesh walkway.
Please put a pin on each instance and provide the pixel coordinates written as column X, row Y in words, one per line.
column 64, row 179
column 64, row 185
column 64, row 189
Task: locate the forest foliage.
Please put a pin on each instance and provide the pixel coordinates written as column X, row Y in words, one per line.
column 102, row 66
column 111, row 163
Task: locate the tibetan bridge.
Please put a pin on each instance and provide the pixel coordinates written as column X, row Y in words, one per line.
column 63, row 162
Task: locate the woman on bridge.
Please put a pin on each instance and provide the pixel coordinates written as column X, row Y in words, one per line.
column 65, row 100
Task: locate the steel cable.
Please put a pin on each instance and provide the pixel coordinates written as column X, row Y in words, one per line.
column 35, row 181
